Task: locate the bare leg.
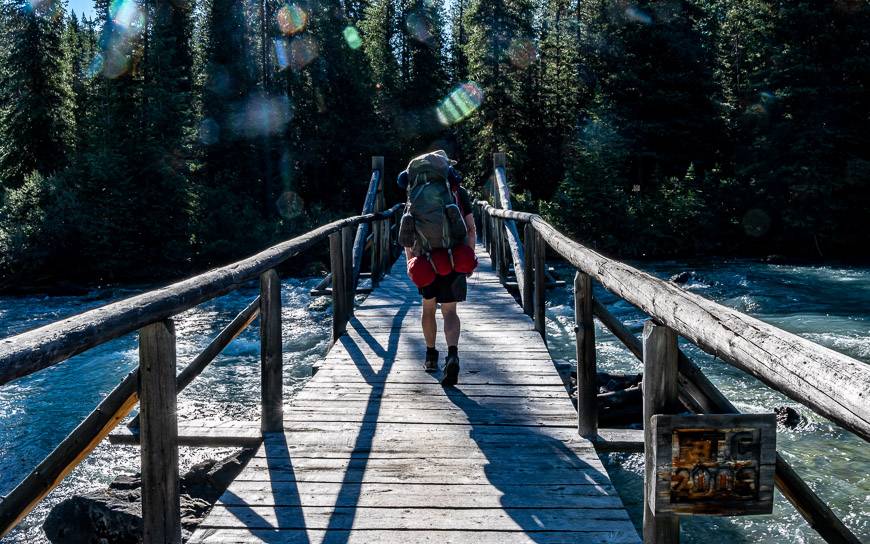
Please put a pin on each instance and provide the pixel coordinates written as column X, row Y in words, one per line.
column 430, row 327
column 451, row 323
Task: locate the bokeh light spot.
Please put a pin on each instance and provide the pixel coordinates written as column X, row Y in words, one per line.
column 756, row 223
column 303, row 50
column 638, row 15
column 292, row 19
column 522, row 53
column 290, row 205
column 351, row 36
column 420, row 28
column 460, row 103
column 209, row 131
column 261, row 116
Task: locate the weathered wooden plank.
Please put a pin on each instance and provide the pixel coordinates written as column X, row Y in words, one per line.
column 427, row 536
column 402, row 519
column 198, row 434
column 372, row 495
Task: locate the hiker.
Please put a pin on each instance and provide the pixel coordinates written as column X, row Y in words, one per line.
column 438, row 233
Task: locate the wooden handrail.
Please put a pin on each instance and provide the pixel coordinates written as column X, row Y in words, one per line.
column 45, row 346
column 830, row 383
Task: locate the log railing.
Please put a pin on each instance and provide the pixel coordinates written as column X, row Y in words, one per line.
column 830, row 383
column 154, row 384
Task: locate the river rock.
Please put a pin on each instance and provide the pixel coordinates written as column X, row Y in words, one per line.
column 320, row 304
column 682, row 278
column 114, row 515
column 787, row 417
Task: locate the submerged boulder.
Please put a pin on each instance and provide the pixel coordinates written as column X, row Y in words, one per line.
column 787, row 417
column 682, row 278
column 114, row 515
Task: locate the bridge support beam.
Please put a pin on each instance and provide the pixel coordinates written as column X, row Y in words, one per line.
column 584, row 331
column 660, row 393
column 161, row 503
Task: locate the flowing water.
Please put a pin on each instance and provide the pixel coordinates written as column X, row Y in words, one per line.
column 828, row 305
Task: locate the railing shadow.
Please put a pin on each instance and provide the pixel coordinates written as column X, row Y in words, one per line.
column 342, row 517
column 503, row 460
column 288, row 509
column 285, row 496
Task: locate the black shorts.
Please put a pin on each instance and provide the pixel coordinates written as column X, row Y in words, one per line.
column 449, row 288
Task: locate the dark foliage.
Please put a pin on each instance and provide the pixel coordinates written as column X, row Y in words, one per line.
column 162, row 137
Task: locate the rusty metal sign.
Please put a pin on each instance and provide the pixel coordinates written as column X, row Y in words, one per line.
column 719, row 465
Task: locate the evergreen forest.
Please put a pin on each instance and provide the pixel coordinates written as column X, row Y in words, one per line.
column 158, row 138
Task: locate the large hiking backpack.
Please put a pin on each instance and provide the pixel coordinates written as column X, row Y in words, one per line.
column 432, row 217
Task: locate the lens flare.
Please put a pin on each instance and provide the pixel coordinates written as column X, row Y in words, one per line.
column 209, row 131
column 638, row 15
column 351, row 36
column 282, row 53
column 261, row 116
column 522, row 53
column 460, row 103
column 292, row 19
column 127, row 14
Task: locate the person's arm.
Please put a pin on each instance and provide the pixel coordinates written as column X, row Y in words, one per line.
column 471, row 228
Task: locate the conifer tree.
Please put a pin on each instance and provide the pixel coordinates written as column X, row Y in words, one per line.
column 228, row 213
column 36, row 106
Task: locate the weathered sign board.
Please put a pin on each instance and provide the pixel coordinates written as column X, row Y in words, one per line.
column 713, row 465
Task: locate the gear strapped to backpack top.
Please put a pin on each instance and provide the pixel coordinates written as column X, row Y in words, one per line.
column 432, row 218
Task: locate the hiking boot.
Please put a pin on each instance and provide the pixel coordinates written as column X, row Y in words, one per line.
column 431, row 363
column 451, row 371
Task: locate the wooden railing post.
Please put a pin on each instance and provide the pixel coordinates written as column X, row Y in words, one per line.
column 660, row 389
column 378, row 226
column 339, row 285
column 347, row 238
column 540, row 286
column 484, row 228
column 501, row 247
column 161, row 504
column 271, row 362
column 528, row 267
column 584, row 330
column 386, row 245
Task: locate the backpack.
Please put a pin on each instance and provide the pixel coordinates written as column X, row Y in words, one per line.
column 432, row 219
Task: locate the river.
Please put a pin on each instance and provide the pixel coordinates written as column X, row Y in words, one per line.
column 828, row 305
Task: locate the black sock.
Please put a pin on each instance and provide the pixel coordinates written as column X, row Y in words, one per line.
column 431, row 353
column 453, row 351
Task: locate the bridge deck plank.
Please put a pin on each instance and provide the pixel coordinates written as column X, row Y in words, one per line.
column 375, row 450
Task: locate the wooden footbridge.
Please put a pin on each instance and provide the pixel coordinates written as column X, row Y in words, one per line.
column 373, row 449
